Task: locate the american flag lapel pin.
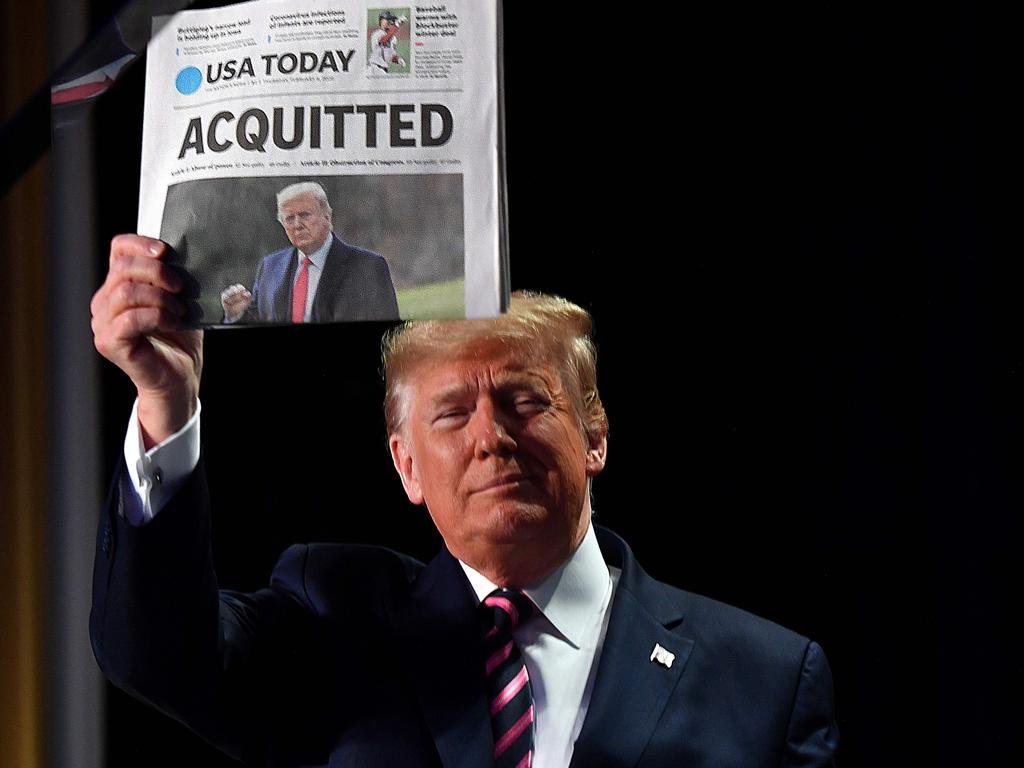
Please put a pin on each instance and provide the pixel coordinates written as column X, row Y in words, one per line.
column 662, row 656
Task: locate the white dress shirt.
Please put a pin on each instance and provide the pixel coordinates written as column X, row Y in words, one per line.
column 318, row 259
column 561, row 644
column 160, row 471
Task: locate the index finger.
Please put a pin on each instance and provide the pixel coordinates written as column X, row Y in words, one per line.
column 138, row 245
column 137, row 257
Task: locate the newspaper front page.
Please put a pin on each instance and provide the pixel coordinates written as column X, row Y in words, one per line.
column 328, row 161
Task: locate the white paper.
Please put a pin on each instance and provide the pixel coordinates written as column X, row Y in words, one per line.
column 396, row 118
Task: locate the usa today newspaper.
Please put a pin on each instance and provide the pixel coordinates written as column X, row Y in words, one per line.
column 313, row 161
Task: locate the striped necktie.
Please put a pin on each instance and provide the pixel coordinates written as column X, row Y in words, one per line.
column 508, row 683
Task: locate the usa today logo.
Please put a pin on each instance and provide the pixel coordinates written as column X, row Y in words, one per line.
column 188, row 81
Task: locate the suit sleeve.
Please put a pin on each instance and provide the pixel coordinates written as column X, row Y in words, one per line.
column 813, row 737
column 162, row 630
column 252, row 314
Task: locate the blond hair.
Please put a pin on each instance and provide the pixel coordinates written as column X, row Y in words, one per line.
column 535, row 322
column 304, row 188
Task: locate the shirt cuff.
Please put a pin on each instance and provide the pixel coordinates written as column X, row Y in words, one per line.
column 158, row 473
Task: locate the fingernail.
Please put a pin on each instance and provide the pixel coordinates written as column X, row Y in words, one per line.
column 156, row 248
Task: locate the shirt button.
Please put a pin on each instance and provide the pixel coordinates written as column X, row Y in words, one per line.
column 158, row 476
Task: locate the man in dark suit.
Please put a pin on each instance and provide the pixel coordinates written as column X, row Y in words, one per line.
column 532, row 639
column 319, row 278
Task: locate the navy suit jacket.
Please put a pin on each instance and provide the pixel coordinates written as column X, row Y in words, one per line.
column 355, row 285
column 360, row 656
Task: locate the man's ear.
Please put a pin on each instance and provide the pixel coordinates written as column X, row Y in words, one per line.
column 406, row 468
column 597, row 453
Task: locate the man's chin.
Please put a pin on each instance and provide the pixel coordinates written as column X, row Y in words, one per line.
column 308, row 246
column 515, row 520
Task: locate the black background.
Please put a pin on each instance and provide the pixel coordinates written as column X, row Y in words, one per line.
column 784, row 224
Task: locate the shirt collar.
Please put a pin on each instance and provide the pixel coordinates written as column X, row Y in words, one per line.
column 570, row 596
column 319, row 256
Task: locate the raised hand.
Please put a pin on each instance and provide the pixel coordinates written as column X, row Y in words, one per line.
column 137, row 324
column 235, row 300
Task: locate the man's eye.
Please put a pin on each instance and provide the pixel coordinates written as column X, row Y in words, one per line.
column 527, row 405
column 449, row 416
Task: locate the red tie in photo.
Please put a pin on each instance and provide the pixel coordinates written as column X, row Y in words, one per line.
column 508, row 683
column 299, row 294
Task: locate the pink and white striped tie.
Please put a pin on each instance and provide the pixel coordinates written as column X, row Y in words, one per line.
column 508, row 683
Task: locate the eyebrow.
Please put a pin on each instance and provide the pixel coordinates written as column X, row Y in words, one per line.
column 449, row 393
column 509, row 380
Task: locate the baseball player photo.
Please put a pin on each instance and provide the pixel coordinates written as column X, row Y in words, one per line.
column 388, row 41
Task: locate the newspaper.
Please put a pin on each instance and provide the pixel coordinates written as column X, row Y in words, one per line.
column 328, row 160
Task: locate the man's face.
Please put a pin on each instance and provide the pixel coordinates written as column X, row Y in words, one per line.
column 306, row 225
column 493, row 445
column 385, row 24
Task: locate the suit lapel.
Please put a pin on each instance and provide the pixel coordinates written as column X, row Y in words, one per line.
column 285, row 273
column 328, row 290
column 440, row 636
column 630, row 690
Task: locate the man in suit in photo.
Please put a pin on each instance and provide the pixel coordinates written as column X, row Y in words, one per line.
column 319, row 278
column 533, row 639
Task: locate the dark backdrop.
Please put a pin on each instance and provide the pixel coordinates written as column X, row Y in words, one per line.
column 809, row 341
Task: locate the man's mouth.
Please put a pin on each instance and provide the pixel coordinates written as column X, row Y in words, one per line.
column 504, row 482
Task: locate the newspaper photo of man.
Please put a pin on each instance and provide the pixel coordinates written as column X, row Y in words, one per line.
column 387, row 44
column 319, row 278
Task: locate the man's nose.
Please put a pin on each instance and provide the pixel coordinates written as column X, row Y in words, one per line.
column 490, row 432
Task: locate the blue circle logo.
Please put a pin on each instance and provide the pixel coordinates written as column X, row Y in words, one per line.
column 188, row 81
